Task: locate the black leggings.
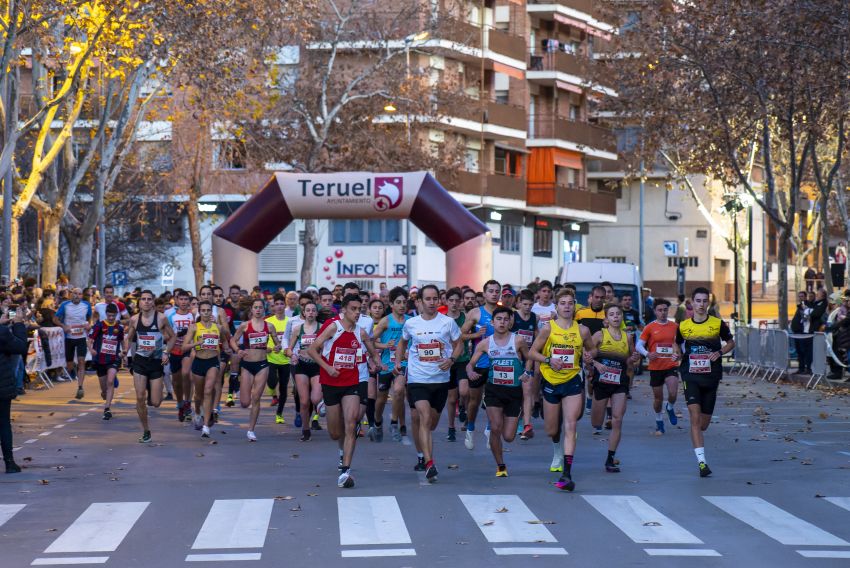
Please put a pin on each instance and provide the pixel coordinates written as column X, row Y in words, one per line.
column 6, row 428
column 279, row 375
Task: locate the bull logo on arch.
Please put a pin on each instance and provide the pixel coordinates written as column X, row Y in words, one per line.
column 416, row 196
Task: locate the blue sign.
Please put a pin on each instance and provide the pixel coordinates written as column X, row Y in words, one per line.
column 671, row 248
column 119, row 278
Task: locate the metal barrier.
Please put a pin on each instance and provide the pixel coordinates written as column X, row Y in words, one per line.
column 754, row 348
column 742, row 350
column 819, row 366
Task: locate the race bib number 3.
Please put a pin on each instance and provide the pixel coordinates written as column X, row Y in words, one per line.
column 610, row 375
column 503, row 375
column 566, row 356
column 344, row 358
column 664, row 349
column 430, row 352
column 699, row 363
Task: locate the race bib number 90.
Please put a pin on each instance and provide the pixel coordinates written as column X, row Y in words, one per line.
column 430, row 352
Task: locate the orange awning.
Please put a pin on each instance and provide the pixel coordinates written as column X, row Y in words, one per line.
column 509, row 71
column 542, row 162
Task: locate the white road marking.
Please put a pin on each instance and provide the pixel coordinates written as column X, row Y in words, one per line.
column 235, row 523
column 45, row 433
column 512, row 525
column 530, row 551
column 824, row 553
column 100, row 528
column 806, row 442
column 8, row 511
column 371, row 520
column 83, row 414
column 367, row 553
column 228, row 557
column 31, row 441
column 71, row 420
column 843, row 502
column 69, row 560
column 681, row 552
column 641, row 522
column 776, row 523
column 845, row 453
column 58, row 426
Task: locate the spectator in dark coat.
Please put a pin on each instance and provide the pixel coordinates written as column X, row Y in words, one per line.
column 13, row 346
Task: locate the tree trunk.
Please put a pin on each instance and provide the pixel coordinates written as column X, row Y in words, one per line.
column 824, row 243
column 81, row 259
column 782, row 275
column 311, row 243
column 199, row 267
column 13, row 247
column 742, row 281
column 50, row 246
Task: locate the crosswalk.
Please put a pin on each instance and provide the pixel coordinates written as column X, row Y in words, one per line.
column 376, row 526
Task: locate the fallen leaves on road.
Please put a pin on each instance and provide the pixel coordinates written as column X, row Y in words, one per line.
column 487, row 523
column 296, row 508
column 823, row 415
column 199, row 455
column 540, row 522
column 502, row 510
column 312, row 495
column 284, row 498
column 454, row 466
column 43, row 481
column 652, row 524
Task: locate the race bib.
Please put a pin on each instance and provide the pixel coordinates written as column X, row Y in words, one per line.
column 392, row 356
column 527, row 335
column 345, row 358
column 145, row 343
column 566, row 356
column 699, row 363
column 664, row 349
column 77, row 331
column 258, row 340
column 503, row 375
column 280, row 340
column 610, row 375
column 209, row 341
column 430, row 352
column 308, row 339
column 109, row 347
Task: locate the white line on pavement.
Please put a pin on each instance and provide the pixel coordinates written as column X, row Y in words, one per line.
column 505, row 518
column 843, row 502
column 370, row 553
column 844, row 453
column 371, row 520
column 58, row 426
column 824, row 553
column 8, row 511
column 641, row 522
column 776, row 523
column 83, row 414
column 235, row 523
column 530, row 551
column 45, row 433
column 681, row 552
column 70, row 560
column 31, row 441
column 100, row 528
column 71, row 420
column 230, row 557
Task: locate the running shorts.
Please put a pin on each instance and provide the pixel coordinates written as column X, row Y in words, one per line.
column 509, row 399
column 435, row 393
column 657, row 378
column 702, row 393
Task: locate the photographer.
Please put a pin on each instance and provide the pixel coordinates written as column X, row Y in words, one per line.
column 13, row 346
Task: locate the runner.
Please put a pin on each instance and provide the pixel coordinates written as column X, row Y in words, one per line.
column 237, row 316
column 73, row 317
column 180, row 318
column 376, row 431
column 204, row 339
column 633, row 326
column 279, row 362
column 525, row 326
column 307, row 371
column 291, row 323
column 148, row 329
column 703, row 340
column 472, row 391
column 558, row 347
column 614, row 354
column 253, row 351
column 543, row 310
column 343, row 350
column 427, row 339
column 109, row 298
column 105, row 341
column 458, row 370
column 656, row 344
column 506, row 352
column 592, row 317
column 388, row 332
column 225, row 317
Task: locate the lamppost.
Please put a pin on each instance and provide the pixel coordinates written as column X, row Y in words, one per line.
column 733, row 204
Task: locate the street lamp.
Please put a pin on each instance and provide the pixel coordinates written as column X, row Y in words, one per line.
column 733, row 204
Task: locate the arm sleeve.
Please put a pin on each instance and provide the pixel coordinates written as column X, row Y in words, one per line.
column 640, row 346
column 405, row 331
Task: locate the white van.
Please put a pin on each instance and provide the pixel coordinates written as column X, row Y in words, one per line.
column 585, row 275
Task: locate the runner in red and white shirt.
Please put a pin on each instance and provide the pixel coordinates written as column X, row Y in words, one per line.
column 109, row 298
column 340, row 349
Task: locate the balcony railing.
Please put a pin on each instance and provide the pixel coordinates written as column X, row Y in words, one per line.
column 504, row 114
column 489, row 184
column 571, row 197
column 497, row 40
column 588, row 70
column 585, row 6
column 547, row 126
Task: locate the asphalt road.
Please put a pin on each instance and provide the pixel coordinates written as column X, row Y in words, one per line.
column 90, row 494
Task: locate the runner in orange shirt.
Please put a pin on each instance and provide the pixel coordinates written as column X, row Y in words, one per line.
column 656, row 344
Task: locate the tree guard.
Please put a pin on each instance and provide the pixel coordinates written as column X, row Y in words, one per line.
column 417, row 196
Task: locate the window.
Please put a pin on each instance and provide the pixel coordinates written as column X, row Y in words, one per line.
column 471, row 162
column 229, row 155
column 510, row 240
column 154, row 156
column 358, row 232
column 543, row 243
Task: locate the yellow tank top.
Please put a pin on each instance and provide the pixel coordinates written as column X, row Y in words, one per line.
column 617, row 348
column 280, row 357
column 208, row 336
column 566, row 345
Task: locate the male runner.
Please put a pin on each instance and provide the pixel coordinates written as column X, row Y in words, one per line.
column 525, row 326
column 426, row 340
column 109, row 298
column 148, row 330
column 656, row 344
column 478, row 326
column 73, row 317
column 509, row 369
column 278, row 361
column 543, row 310
column 105, row 341
column 180, row 319
column 592, row 317
column 633, row 326
column 237, row 316
column 702, row 341
column 388, row 333
column 454, row 301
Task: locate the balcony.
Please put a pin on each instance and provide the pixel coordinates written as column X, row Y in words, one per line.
column 507, row 186
column 584, row 6
column 507, row 115
column 571, row 197
column 584, row 11
column 497, row 41
column 587, row 137
column 505, row 43
column 558, row 67
column 497, row 121
column 484, row 184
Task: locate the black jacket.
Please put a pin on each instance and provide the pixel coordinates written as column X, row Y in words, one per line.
column 797, row 320
column 13, row 344
column 818, row 317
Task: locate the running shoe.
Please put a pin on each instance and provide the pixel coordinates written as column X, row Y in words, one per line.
column 704, row 470
column 468, row 441
column 420, row 465
column 251, row 436
column 345, row 480
column 214, row 416
column 115, row 383
column 535, row 410
column 314, row 425
column 403, row 431
column 372, row 434
column 80, row 394
column 461, row 415
column 659, row 426
column 275, row 400
column 298, row 420
column 146, row 437
column 169, row 396
column 181, row 410
column 107, row 414
column 379, row 434
column 671, row 414
column 557, row 463
column 394, row 432
column 205, row 431
column 588, row 403
column 305, row 435
column 611, row 467
column 527, row 432
column 597, row 431
column 452, row 436
column 431, row 473
column 321, row 408
column 565, row 483
column 278, row 419
column 229, row 401
column 198, row 421
column 502, row 471
column 608, row 424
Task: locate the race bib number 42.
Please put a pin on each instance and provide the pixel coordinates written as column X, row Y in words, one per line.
column 566, row 356
column 430, row 352
column 699, row 363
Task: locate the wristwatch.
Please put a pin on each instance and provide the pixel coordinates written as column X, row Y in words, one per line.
column 453, row 359
column 547, row 359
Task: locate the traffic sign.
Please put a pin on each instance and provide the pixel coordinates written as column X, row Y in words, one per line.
column 671, row 248
column 119, row 278
column 167, row 275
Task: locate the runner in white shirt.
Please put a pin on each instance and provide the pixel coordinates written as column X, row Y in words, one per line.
column 431, row 342
column 109, row 298
column 73, row 317
column 544, row 309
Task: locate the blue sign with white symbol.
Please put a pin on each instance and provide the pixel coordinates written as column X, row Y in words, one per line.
column 119, row 278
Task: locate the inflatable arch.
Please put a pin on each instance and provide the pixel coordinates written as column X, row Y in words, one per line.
column 417, row 196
